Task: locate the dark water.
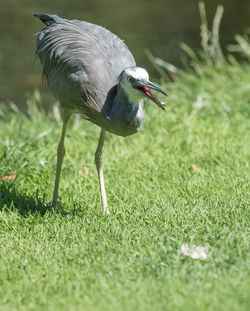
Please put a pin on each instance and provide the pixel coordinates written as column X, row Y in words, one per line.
column 158, row 26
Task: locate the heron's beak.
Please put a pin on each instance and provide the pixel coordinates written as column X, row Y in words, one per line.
column 144, row 86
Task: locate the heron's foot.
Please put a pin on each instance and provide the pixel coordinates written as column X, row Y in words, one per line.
column 54, row 208
column 106, row 210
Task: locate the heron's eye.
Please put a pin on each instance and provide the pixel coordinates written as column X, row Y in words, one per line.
column 130, row 79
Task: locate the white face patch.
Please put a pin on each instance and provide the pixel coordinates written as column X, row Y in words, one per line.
column 136, row 73
column 134, row 95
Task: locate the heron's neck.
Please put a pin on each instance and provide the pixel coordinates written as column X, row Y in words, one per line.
column 125, row 113
column 125, row 105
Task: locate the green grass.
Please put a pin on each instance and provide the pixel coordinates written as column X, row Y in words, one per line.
column 81, row 259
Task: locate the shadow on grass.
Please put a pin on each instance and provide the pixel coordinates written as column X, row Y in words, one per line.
column 10, row 199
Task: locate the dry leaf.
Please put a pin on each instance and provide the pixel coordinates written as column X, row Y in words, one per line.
column 85, row 171
column 195, row 252
column 8, row 177
column 196, row 168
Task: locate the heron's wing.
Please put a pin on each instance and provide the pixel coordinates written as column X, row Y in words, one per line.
column 81, row 61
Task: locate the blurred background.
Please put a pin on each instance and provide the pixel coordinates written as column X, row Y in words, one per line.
column 158, row 26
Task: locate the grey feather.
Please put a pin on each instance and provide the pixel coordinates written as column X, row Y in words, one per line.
column 82, row 63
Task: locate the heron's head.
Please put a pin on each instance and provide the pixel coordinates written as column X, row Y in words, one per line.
column 135, row 82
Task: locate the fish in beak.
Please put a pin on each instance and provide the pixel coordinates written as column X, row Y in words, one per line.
column 145, row 87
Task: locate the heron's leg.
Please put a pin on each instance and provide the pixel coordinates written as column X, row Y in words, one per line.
column 98, row 162
column 60, row 155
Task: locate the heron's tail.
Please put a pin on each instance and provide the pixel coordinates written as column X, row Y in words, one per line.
column 48, row 19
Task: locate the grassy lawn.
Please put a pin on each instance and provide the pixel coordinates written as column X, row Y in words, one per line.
column 184, row 178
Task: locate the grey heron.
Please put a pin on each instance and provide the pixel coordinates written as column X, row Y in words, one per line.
column 91, row 71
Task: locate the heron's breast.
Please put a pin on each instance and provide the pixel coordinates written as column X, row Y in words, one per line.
column 126, row 122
